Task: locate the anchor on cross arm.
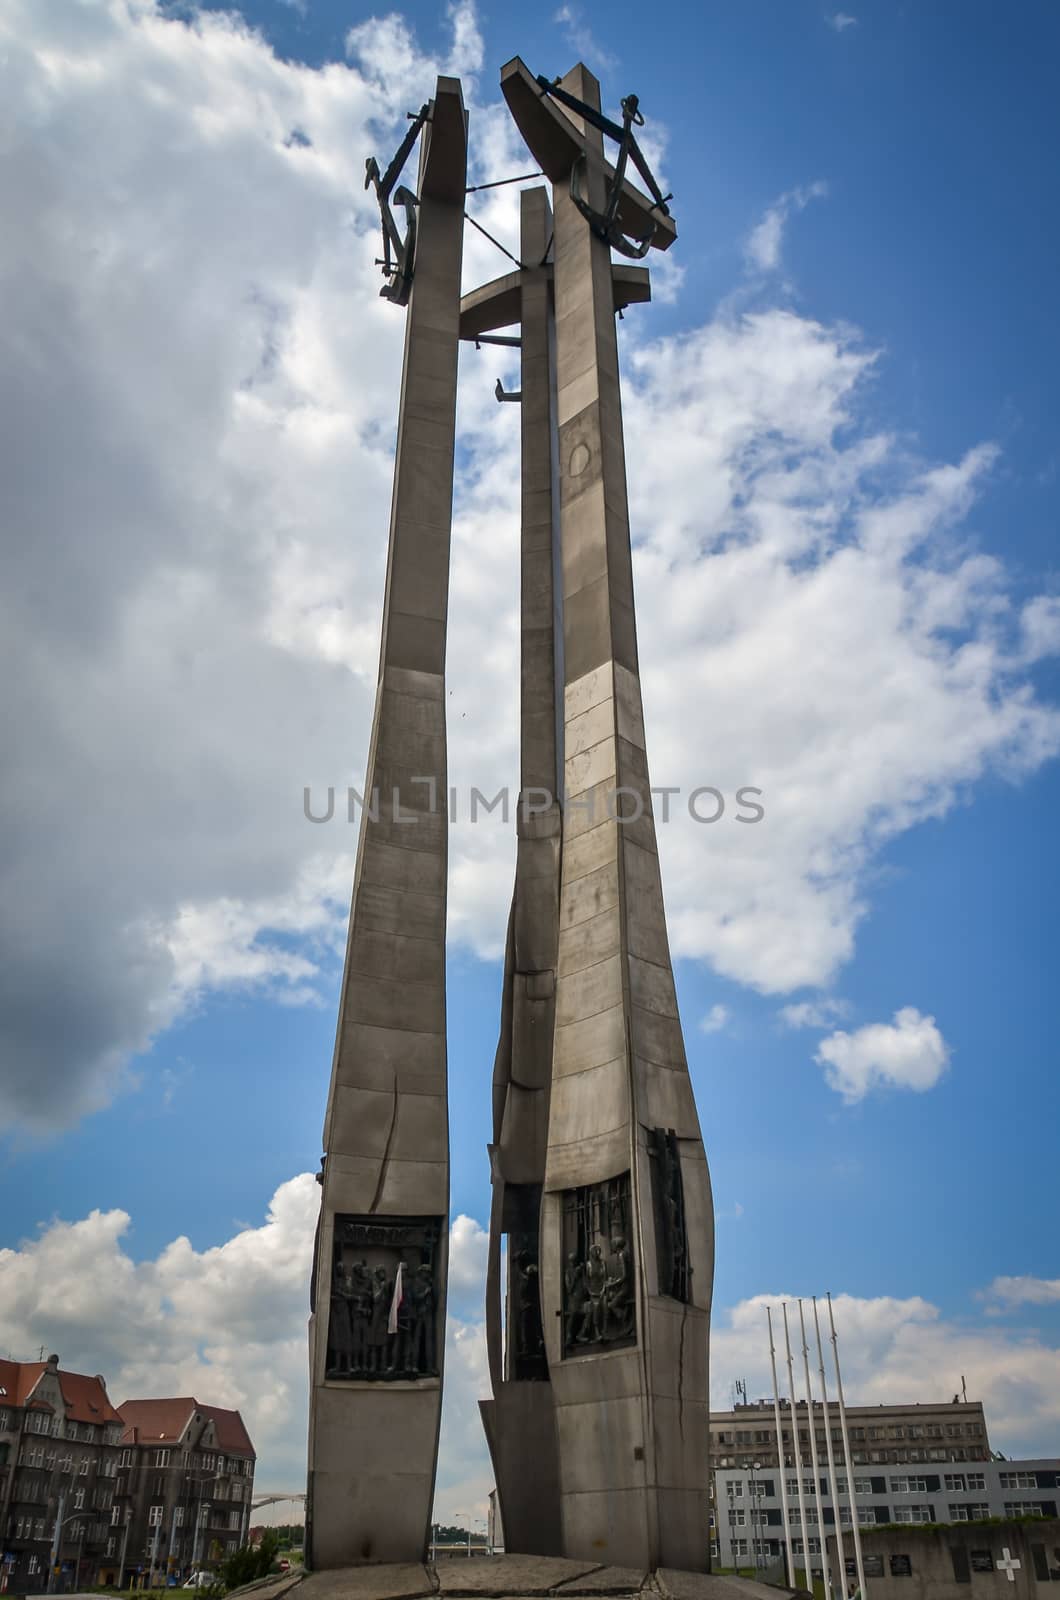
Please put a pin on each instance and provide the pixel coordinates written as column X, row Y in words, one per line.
column 605, row 224
column 399, row 253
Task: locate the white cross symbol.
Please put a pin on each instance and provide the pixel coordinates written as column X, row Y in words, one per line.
column 1008, row 1564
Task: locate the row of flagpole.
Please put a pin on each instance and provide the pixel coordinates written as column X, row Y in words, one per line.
column 796, row 1451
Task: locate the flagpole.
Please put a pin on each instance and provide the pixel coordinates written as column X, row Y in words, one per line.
column 832, row 1482
column 846, row 1451
column 813, row 1455
column 780, row 1453
column 798, row 1458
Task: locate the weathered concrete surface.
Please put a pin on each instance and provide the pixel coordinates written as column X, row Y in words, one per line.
column 373, row 1446
column 273, row 1587
column 519, row 1421
column 605, row 1581
column 397, row 1581
column 632, row 1424
column 508, row 1574
column 702, row 1586
column 516, row 1577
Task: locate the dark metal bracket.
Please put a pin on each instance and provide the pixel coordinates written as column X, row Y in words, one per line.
column 399, row 253
column 507, row 394
column 605, row 223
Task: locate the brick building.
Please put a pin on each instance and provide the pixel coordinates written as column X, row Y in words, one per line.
column 59, row 1450
column 148, row 1489
column 184, row 1485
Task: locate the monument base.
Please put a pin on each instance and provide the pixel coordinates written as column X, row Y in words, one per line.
column 510, row 1577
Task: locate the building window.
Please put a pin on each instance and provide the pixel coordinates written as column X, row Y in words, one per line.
column 862, row 1485
column 912, row 1513
column 125, row 1459
column 79, row 1499
column 234, row 1520
column 34, row 1566
column 154, row 1516
column 1024, row 1508
column 908, row 1485
column 161, row 1458
column 954, row 1482
column 1018, row 1480
column 83, row 1467
column 179, row 1514
column 111, row 1549
column 115, row 1516
column 737, row 1519
column 5, row 1422
column 976, row 1480
column 901, row 1567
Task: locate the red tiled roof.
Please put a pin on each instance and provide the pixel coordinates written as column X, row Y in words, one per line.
column 148, row 1421
column 84, row 1398
column 155, row 1419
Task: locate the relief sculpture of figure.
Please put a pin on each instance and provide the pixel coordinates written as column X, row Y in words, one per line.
column 528, row 1335
column 574, row 1297
column 592, row 1327
column 377, row 1334
column 360, row 1314
column 340, row 1343
column 420, row 1356
column 619, row 1291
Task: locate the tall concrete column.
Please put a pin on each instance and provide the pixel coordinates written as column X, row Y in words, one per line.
column 519, row 1423
column 376, row 1340
column 627, row 1218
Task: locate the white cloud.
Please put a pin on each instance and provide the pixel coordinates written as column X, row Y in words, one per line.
column 582, row 40
column 1025, row 1291
column 840, row 21
column 896, row 1350
column 716, row 1019
column 908, row 1053
column 1040, row 626
column 814, row 1013
column 227, row 1324
column 198, row 470
column 764, row 242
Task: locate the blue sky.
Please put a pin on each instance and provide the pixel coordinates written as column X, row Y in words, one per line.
column 854, row 350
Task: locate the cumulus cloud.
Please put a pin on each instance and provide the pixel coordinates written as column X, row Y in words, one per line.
column 763, row 246
column 840, row 21
column 1024, row 1291
column 908, row 1053
column 227, row 1324
column 198, row 466
column 716, row 1019
column 813, row 1013
column 906, row 1349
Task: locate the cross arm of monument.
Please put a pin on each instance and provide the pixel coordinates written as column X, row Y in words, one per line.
column 497, row 304
column 557, row 144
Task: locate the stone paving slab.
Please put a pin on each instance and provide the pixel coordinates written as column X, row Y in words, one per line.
column 702, row 1586
column 400, row 1581
column 506, row 1577
column 605, row 1581
column 272, row 1587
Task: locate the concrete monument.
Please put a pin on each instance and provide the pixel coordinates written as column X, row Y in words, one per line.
column 597, row 1335
column 377, row 1325
column 599, row 1432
